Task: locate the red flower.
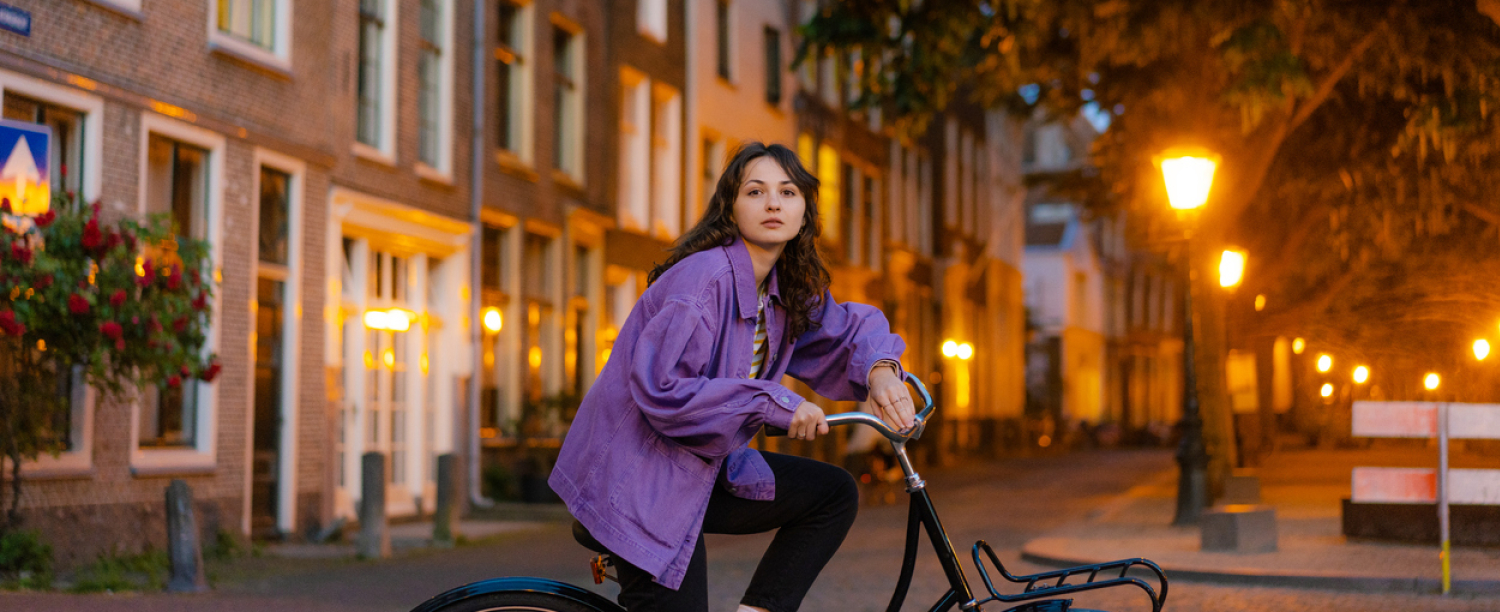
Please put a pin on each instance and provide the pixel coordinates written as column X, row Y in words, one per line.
column 95, row 207
column 19, row 252
column 154, row 326
column 180, row 324
column 112, row 330
column 174, row 380
column 64, row 169
column 186, row 371
column 44, row 282
column 129, row 240
column 135, row 319
column 5, row 205
column 8, row 324
column 200, row 302
column 46, row 218
column 193, row 276
column 91, row 236
column 117, row 298
column 112, row 240
column 149, row 274
column 77, row 304
column 210, row 373
column 175, row 278
column 120, row 344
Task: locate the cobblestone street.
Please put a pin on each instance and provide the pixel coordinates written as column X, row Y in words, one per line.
column 1006, row 503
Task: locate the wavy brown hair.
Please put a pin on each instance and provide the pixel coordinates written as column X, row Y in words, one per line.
column 801, row 275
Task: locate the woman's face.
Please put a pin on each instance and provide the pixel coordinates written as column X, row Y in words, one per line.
column 768, row 208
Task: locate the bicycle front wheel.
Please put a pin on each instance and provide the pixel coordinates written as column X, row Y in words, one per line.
column 518, row 602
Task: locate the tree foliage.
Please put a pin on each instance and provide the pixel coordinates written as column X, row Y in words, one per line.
column 1357, row 136
column 122, row 303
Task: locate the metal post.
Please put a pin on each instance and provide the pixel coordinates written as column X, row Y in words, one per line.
column 1442, row 495
column 1192, row 457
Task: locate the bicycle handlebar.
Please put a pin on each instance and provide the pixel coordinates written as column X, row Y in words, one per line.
column 875, row 422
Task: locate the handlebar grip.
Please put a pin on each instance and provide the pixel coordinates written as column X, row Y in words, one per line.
column 775, row 432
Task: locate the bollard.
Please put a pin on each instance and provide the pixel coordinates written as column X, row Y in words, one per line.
column 182, row 541
column 446, row 515
column 374, row 537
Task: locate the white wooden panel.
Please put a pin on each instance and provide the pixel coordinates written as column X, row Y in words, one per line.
column 1474, row 421
column 1395, row 419
column 1419, row 486
column 1478, row 487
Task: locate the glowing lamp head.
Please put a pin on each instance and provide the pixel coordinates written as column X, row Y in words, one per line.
column 1361, row 374
column 965, row 351
column 1260, row 302
column 1481, row 349
column 1327, row 390
column 1431, row 381
column 950, row 349
column 1231, row 268
column 492, row 320
column 1325, row 362
column 1298, row 346
column 1188, row 178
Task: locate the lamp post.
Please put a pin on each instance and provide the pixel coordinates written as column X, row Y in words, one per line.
column 1188, row 178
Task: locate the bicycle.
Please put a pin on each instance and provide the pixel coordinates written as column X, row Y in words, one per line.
column 1040, row 593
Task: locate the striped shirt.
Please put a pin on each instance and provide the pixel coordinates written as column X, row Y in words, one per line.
column 759, row 345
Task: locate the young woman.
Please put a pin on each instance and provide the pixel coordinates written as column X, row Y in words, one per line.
column 659, row 455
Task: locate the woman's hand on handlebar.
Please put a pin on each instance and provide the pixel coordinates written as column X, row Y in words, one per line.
column 808, row 422
column 892, row 400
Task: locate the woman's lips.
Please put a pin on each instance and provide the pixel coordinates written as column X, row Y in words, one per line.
column 772, row 223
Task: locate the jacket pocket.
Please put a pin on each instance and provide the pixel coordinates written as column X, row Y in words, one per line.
column 663, row 492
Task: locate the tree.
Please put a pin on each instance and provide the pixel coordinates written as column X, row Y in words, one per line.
column 122, row 304
column 1349, row 130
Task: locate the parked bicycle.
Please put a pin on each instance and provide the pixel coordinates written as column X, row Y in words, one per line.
column 1038, row 592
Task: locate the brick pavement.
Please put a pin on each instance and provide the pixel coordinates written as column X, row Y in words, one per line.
column 1305, row 487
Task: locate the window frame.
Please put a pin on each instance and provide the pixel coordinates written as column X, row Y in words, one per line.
column 384, row 149
column 724, row 40
column 441, row 168
column 278, row 56
column 291, row 277
column 775, row 87
column 569, row 162
column 651, row 19
column 201, row 457
column 91, row 109
column 519, row 98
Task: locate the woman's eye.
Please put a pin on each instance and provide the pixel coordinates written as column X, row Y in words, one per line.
column 754, row 192
column 789, row 193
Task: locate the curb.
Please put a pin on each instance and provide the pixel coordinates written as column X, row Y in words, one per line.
column 1250, row 577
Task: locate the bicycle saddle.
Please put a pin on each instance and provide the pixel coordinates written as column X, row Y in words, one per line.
column 585, row 538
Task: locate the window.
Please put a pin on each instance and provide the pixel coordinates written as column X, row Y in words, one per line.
column 434, row 100
column 848, row 183
column 495, row 243
column 713, row 166
column 635, row 150
column 773, row 66
column 65, row 159
column 513, row 80
column 253, row 21
column 872, row 231
column 651, row 18
column 576, row 336
column 375, row 114
column 830, row 202
column 538, row 285
column 275, row 205
column 567, row 99
column 176, row 184
column 256, row 30
column 721, row 25
column 666, row 162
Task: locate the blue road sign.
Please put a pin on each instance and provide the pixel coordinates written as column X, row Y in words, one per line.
column 15, row 20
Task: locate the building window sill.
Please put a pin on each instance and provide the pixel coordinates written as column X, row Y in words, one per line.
column 130, row 9
column 433, row 175
column 369, row 153
column 512, row 164
column 250, row 54
column 153, row 463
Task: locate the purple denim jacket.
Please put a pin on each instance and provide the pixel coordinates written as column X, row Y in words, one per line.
column 673, row 404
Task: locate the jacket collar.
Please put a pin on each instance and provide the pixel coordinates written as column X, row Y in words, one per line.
column 744, row 278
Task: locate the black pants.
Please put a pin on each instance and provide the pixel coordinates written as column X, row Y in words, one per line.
column 813, row 510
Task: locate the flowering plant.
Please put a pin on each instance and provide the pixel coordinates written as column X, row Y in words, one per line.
column 126, row 302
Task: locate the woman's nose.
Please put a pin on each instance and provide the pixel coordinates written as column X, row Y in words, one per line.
column 773, row 202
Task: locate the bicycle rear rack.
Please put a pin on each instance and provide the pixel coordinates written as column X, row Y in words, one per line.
column 1037, row 586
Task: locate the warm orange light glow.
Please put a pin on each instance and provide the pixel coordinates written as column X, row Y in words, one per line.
column 1298, row 346
column 965, row 351
column 950, row 349
column 1327, row 390
column 1481, row 349
column 1044, row 441
column 534, row 357
column 389, row 357
column 1325, row 362
column 1231, row 268
column 1361, row 374
column 423, row 362
column 394, row 319
column 1260, row 302
column 1431, row 381
column 492, row 320
column 369, row 360
column 1188, row 178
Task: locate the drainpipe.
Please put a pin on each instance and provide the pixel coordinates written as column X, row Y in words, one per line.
column 476, row 256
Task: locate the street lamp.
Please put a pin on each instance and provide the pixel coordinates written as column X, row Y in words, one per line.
column 1431, row 381
column 1298, row 346
column 1188, row 177
column 1232, row 270
column 1361, row 374
column 1481, row 349
column 1325, row 362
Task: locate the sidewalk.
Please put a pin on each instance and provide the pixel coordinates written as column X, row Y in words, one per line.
column 481, row 524
column 1305, row 487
